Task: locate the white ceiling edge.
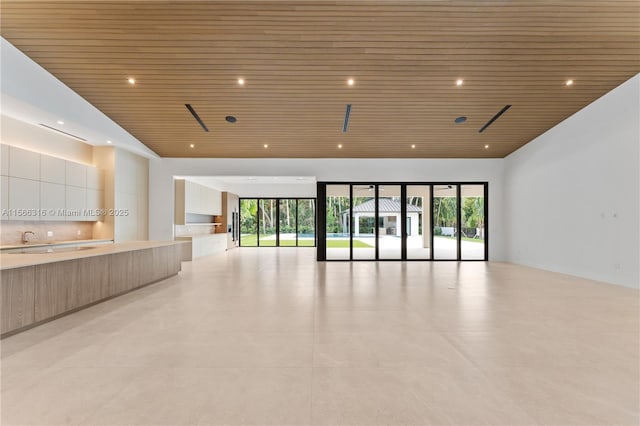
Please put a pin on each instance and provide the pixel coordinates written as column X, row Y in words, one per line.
column 33, row 95
column 226, row 183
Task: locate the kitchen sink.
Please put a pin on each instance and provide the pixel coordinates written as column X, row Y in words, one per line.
column 45, row 250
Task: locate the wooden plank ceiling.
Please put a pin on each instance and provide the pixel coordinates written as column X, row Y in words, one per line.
column 296, row 58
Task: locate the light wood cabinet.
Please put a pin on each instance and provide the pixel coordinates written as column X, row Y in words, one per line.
column 122, row 273
column 52, row 169
column 24, row 164
column 94, row 278
column 37, row 293
column 54, row 289
column 18, row 296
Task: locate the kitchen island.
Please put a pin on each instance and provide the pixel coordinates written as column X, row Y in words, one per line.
column 39, row 287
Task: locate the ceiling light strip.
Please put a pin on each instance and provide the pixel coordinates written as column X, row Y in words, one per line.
column 494, row 118
column 64, row 133
column 196, row 116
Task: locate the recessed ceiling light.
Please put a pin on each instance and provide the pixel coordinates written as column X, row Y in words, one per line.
column 413, row 146
column 351, row 82
column 459, row 82
column 339, row 146
column 60, row 122
column 486, row 147
column 231, row 119
column 241, row 81
column 459, row 120
column 131, row 80
column 266, row 146
column 192, row 146
column 109, row 142
column 569, row 83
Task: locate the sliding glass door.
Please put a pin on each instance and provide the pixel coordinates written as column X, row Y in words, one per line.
column 445, row 222
column 287, row 213
column 249, row 222
column 267, row 222
column 390, row 222
column 403, row 221
column 277, row 222
column 338, row 220
column 418, row 220
column 306, row 222
column 472, row 225
column 363, row 219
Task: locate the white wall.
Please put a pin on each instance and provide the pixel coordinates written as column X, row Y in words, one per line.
column 31, row 94
column 161, row 172
column 35, row 138
column 131, row 175
column 572, row 194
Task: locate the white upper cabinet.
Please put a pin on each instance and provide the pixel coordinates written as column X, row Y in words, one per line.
column 24, row 164
column 197, row 199
column 24, row 199
column 34, row 183
column 93, row 204
column 95, row 178
column 76, row 174
column 216, row 202
column 4, row 194
column 52, row 169
column 52, row 201
column 75, row 202
column 4, row 157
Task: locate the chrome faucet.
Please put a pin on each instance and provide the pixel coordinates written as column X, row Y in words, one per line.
column 25, row 236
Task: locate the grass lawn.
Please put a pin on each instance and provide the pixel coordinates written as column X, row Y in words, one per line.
column 345, row 244
column 252, row 241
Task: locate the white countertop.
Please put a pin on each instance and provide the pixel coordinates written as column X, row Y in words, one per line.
column 191, row 237
column 54, row 243
column 19, row 260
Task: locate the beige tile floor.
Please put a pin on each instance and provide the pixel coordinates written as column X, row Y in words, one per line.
column 269, row 336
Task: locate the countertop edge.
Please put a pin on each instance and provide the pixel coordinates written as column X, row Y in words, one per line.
column 23, row 260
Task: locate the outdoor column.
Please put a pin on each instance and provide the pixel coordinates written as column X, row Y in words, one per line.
column 356, row 225
column 426, row 219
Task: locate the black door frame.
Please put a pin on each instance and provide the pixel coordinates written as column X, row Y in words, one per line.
column 277, row 199
column 321, row 222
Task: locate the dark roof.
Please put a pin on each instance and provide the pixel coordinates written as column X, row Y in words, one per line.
column 384, row 206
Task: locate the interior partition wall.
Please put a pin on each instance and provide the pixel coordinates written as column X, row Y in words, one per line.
column 277, row 222
column 402, row 221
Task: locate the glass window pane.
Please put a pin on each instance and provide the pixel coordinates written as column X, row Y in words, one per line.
column 306, row 223
column 248, row 222
column 445, row 218
column 287, row 230
column 418, row 222
column 363, row 219
column 267, row 219
column 472, row 227
column 390, row 225
column 337, row 230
